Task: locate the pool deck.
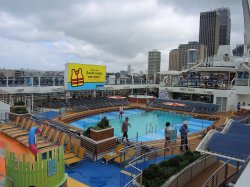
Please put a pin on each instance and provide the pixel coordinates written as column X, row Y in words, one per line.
column 194, row 139
column 74, row 183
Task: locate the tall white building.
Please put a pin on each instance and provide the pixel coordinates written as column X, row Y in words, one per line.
column 129, row 70
column 192, row 57
column 154, row 63
column 246, row 11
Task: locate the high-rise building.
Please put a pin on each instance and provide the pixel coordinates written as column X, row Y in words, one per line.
column 239, row 50
column 173, row 60
column 154, row 63
column 225, row 26
column 210, row 31
column 246, row 12
column 129, row 70
column 192, row 57
column 185, row 49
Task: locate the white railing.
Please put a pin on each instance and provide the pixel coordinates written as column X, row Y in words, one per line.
column 4, row 115
column 5, row 97
column 219, row 176
column 187, row 174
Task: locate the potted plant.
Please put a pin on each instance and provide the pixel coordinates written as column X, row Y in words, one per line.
column 17, row 109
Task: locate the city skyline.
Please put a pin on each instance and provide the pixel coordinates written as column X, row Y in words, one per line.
column 45, row 35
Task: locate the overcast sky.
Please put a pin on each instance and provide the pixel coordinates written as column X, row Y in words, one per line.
column 45, row 34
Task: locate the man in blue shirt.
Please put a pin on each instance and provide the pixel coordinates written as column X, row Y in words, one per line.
column 184, row 133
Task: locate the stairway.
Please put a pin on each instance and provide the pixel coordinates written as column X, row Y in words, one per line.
column 203, row 176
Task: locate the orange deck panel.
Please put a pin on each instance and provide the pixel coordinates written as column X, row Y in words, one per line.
column 13, row 146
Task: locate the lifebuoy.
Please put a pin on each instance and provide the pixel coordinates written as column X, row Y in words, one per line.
column 32, row 139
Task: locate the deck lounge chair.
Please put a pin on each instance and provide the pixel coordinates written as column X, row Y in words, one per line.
column 9, row 132
column 75, row 152
column 46, row 131
column 68, row 147
column 16, row 124
column 24, row 131
column 61, row 141
column 43, row 140
column 49, row 142
column 62, row 138
column 127, row 156
column 25, row 139
column 17, row 120
column 77, row 158
column 13, row 127
column 110, row 156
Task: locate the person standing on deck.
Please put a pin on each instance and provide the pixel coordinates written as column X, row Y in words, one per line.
column 120, row 111
column 167, row 136
column 125, row 125
column 184, row 133
column 238, row 106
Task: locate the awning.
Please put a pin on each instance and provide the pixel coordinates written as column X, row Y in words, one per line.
column 232, row 143
column 173, row 104
column 116, row 97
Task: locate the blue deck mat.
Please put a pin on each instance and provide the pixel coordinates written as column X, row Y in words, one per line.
column 232, row 146
column 239, row 128
column 96, row 174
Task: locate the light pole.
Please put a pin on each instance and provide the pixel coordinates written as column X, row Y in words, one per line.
column 132, row 76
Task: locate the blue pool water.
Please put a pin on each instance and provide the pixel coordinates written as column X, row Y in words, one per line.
column 149, row 126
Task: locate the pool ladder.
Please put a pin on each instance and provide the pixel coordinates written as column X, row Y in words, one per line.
column 150, row 128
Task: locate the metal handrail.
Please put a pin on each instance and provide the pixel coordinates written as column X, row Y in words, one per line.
column 136, row 177
column 133, row 146
column 216, row 173
column 132, row 162
column 233, row 80
column 189, row 166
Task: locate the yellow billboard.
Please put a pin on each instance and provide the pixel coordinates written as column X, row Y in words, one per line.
column 84, row 76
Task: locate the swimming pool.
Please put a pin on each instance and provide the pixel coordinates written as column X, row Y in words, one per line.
column 149, row 126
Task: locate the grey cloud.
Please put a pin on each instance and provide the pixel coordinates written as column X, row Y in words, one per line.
column 108, row 32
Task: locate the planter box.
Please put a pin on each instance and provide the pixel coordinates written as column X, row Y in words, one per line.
column 98, row 135
column 96, row 149
column 12, row 116
column 13, row 109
